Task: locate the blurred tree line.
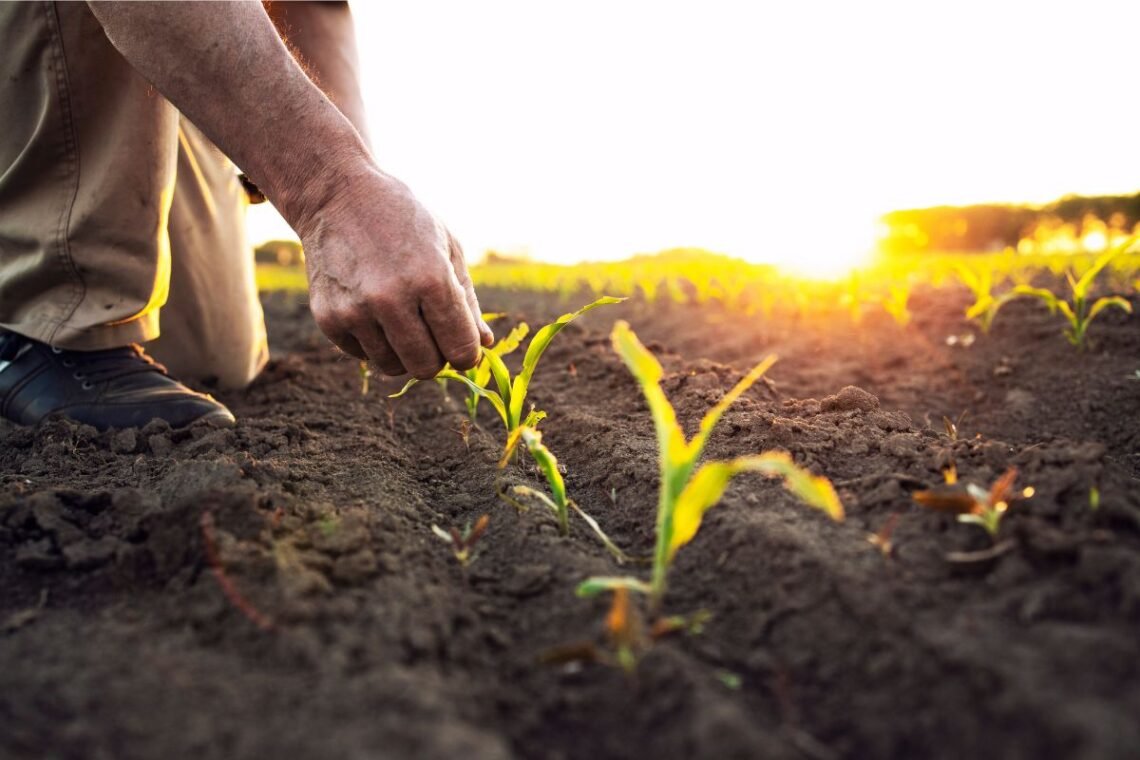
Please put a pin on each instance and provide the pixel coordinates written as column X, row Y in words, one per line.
column 1070, row 224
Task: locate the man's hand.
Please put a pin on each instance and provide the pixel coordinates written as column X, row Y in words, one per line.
column 388, row 282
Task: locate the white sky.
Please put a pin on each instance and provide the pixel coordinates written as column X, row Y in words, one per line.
column 601, row 129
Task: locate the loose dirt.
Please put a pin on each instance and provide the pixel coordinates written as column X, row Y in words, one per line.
column 350, row 631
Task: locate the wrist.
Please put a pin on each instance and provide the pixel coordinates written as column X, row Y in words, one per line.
column 312, row 183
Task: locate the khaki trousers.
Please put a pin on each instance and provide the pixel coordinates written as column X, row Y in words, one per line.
column 115, row 211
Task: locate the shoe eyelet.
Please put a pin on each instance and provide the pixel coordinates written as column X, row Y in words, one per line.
column 55, row 350
column 87, row 385
column 68, row 363
column 78, row 375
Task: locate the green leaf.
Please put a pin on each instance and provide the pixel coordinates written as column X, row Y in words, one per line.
column 598, row 584
column 813, row 490
column 405, row 389
column 706, row 487
column 534, row 417
column 511, row 340
column 481, row 374
column 648, row 373
column 613, row 549
column 513, row 439
column 1081, row 288
column 972, row 281
column 1066, row 311
column 531, row 493
column 700, row 495
column 697, row 445
column 495, row 399
column 1047, row 296
column 980, row 307
column 537, row 347
column 1103, row 303
column 502, row 375
column 547, row 463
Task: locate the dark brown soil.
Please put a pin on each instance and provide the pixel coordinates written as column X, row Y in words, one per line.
column 117, row 641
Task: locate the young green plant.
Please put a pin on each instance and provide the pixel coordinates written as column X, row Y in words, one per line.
column 509, row 395
column 480, row 374
column 986, row 305
column 1080, row 313
column 462, row 542
column 687, row 492
column 895, row 304
column 972, row 503
column 558, row 501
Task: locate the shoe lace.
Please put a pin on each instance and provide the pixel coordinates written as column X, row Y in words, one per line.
column 109, row 364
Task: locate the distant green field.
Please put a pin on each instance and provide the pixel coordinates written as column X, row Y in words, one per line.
column 699, row 277
column 278, row 277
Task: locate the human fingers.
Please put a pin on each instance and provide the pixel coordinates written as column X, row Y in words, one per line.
column 459, row 264
column 447, row 315
column 339, row 334
column 414, row 344
column 380, row 352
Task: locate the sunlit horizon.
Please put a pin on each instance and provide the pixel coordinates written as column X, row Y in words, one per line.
column 778, row 135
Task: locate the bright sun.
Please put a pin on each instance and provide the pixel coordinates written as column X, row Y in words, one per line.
column 847, row 243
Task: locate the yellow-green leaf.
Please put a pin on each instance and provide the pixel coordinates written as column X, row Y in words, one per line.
column 700, row 495
column 547, row 463
column 596, row 585
column 814, row 490
column 405, row 389
column 1103, row 303
column 713, row 416
column 537, row 346
column 495, row 399
column 513, row 439
column 709, row 483
column 1081, row 287
column 1047, row 296
column 511, row 340
column 980, row 307
column 501, row 374
column 647, row 370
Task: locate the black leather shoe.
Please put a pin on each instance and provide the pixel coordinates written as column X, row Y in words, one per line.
column 114, row 388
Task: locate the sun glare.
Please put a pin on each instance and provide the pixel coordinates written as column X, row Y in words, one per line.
column 784, row 152
column 819, row 250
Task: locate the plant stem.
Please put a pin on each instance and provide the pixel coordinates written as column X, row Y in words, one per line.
column 661, row 548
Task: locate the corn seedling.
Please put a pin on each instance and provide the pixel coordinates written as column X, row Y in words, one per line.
column 480, row 374
column 558, row 502
column 1080, row 313
column 972, row 503
column 686, row 492
column 986, row 305
column 895, row 304
column 882, row 540
column 626, row 635
column 952, row 427
column 463, row 542
column 464, row 433
column 509, row 397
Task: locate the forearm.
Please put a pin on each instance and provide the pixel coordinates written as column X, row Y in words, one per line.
column 224, row 67
column 322, row 36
